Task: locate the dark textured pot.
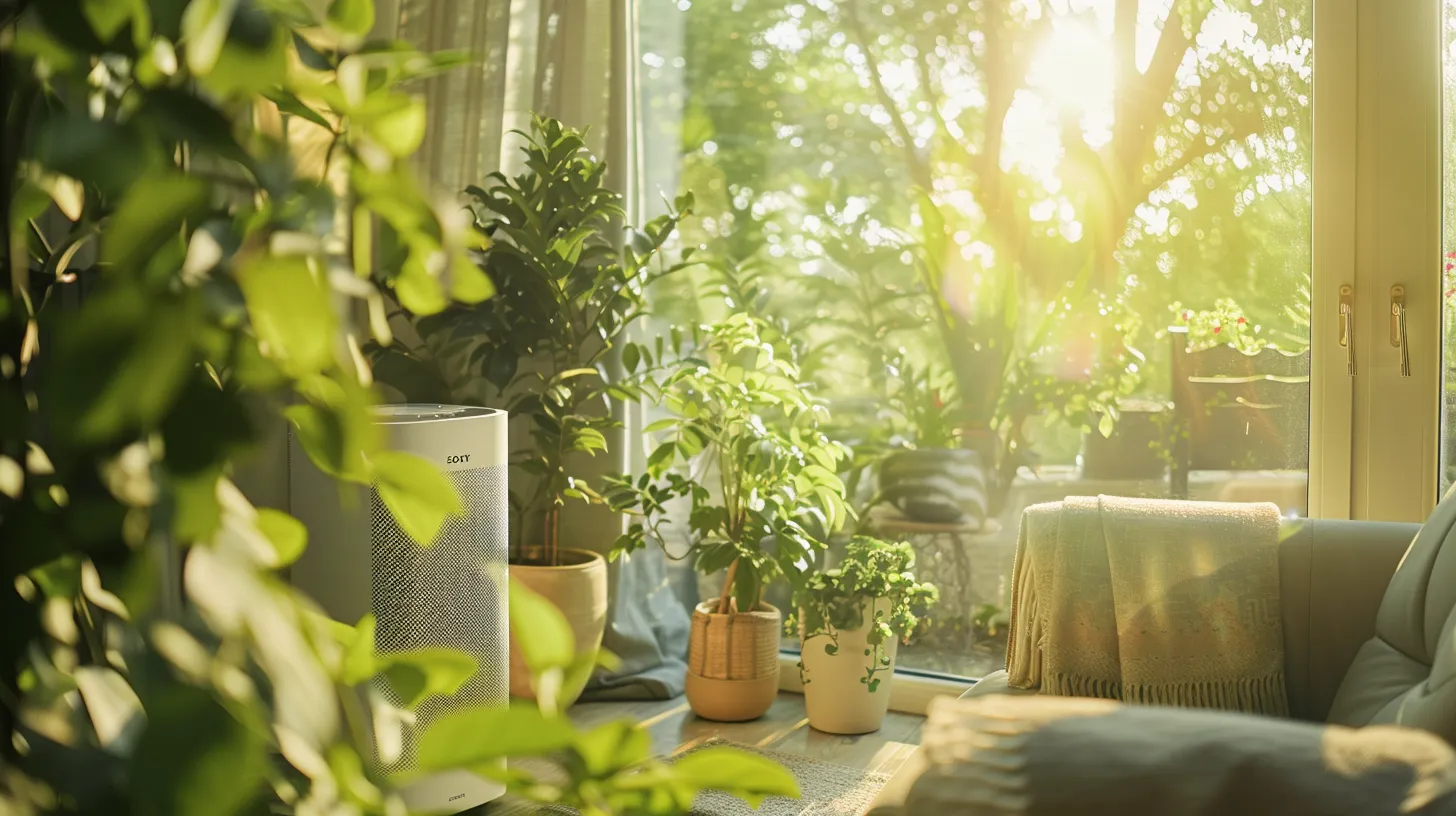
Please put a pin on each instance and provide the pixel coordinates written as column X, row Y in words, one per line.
column 936, row 485
column 1133, row 451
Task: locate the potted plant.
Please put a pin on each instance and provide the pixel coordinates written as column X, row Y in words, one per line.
column 851, row 619
column 1135, row 444
column 744, row 445
column 567, row 289
column 929, row 477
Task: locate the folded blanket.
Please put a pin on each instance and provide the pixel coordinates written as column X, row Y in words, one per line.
column 1164, row 602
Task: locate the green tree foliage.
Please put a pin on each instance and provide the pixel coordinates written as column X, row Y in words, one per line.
column 1108, row 154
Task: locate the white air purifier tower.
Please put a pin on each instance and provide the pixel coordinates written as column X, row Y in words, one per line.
column 452, row 593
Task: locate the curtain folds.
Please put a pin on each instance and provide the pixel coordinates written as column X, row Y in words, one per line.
column 572, row 60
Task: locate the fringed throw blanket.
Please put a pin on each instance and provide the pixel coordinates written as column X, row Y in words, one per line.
column 1163, row 602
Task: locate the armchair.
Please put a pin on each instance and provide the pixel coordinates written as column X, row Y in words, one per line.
column 1370, row 651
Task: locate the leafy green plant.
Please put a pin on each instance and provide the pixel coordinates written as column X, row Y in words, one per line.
column 927, row 417
column 872, row 585
column 568, row 289
column 177, row 169
column 1072, row 363
column 1223, row 325
column 605, row 771
column 989, row 622
column 740, row 420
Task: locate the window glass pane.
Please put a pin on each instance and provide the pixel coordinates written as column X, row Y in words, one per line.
column 1024, row 250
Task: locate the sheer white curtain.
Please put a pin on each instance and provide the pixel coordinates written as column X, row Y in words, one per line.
column 554, row 57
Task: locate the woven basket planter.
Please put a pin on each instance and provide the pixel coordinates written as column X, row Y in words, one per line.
column 733, row 662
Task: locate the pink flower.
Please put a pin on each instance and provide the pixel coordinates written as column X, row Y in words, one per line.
column 1217, row 329
column 1242, row 321
column 1187, row 315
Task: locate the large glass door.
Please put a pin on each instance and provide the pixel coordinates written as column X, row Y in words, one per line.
column 1046, row 248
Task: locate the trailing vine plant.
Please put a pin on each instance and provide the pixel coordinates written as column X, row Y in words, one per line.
column 872, row 585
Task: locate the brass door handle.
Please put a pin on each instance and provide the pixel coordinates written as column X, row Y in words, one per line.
column 1347, row 326
column 1397, row 328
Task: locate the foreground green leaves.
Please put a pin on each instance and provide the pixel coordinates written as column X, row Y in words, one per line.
column 196, row 758
column 181, row 290
column 416, row 493
column 608, row 769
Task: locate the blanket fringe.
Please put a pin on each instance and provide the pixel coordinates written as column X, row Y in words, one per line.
column 1257, row 695
column 1024, row 641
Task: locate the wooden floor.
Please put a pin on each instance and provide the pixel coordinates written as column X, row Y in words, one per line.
column 675, row 728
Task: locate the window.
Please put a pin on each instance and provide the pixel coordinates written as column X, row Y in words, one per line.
column 1072, row 238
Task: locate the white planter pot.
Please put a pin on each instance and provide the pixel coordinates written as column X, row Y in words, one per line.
column 836, row 699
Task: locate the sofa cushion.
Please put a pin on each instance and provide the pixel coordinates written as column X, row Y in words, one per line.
column 1404, row 674
column 1049, row 756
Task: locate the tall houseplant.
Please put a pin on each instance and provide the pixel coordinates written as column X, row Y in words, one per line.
column 743, row 443
column 851, row 619
column 1072, row 363
column 569, row 281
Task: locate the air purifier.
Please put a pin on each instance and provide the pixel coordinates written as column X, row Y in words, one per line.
column 451, row 593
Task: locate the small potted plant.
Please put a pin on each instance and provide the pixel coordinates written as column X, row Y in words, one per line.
column 929, row 477
column 851, row 619
column 569, row 281
column 744, row 445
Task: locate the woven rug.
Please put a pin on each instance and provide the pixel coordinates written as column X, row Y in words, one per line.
column 825, row 790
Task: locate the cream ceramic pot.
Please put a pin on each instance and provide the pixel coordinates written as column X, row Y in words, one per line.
column 579, row 589
column 836, row 699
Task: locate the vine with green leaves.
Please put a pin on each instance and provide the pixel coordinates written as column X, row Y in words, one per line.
column 872, row 585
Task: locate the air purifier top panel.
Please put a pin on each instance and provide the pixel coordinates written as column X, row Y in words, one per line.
column 454, row 437
column 427, row 412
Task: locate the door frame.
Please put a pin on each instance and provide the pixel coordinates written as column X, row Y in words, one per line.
column 1395, row 422
column 1333, row 185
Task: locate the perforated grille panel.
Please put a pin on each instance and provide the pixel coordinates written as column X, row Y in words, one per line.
column 449, row 594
